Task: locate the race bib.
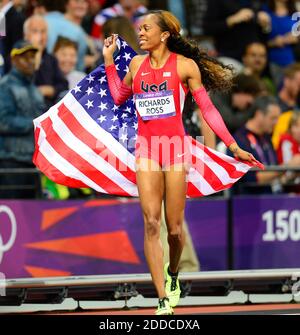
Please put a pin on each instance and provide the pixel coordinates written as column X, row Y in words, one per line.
column 155, row 105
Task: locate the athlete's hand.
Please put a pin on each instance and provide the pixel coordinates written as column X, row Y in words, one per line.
column 110, row 46
column 248, row 157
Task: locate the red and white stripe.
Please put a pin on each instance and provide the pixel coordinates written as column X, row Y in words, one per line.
column 79, row 150
column 73, row 150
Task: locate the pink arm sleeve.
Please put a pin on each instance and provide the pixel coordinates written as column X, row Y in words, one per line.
column 119, row 91
column 212, row 116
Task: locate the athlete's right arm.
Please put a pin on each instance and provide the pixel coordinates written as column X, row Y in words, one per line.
column 119, row 90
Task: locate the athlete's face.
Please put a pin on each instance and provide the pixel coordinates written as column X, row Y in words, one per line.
column 150, row 34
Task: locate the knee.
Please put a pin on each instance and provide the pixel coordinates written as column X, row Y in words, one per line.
column 152, row 225
column 175, row 234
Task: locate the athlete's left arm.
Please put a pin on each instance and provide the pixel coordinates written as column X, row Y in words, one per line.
column 209, row 112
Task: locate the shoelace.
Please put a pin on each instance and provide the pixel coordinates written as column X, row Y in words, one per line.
column 161, row 303
column 174, row 283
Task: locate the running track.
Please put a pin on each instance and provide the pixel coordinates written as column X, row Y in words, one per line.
column 198, row 310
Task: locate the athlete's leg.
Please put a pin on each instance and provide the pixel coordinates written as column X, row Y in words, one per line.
column 175, row 196
column 151, row 190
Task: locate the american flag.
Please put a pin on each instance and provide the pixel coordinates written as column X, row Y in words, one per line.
column 85, row 140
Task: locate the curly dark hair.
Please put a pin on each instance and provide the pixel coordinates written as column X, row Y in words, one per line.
column 215, row 75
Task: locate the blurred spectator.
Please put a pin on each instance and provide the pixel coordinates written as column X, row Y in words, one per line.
column 156, row 4
column 289, row 143
column 255, row 62
column 255, row 59
column 195, row 13
column 1, row 54
column 255, row 137
column 122, row 26
column 289, row 93
column 65, row 51
column 288, row 99
column 52, row 5
column 107, row 3
column 236, row 65
column 20, row 103
column 94, row 7
column 14, row 20
column 132, row 9
column 58, row 25
column 178, row 9
column 234, row 105
column 281, row 127
column 234, row 24
column 35, row 7
column 48, row 77
column 289, row 147
column 280, row 37
column 75, row 12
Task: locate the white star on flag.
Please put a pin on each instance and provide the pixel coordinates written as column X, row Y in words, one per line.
column 115, row 118
column 89, row 104
column 89, row 91
column 102, row 80
column 102, row 106
column 102, row 93
column 124, row 137
column 115, row 108
column 102, row 118
column 113, row 127
column 90, row 78
column 127, row 56
column 77, row 89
